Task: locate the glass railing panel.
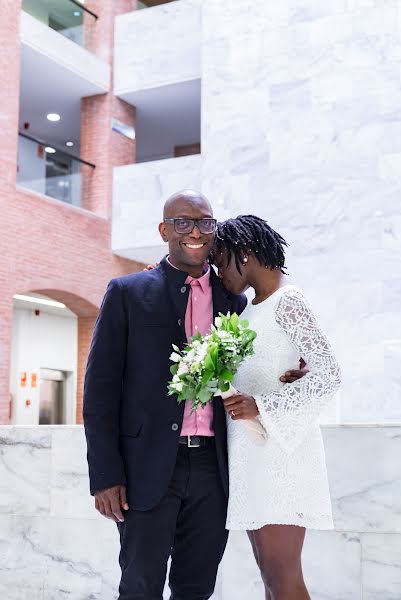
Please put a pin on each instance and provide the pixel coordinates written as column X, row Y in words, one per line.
column 68, row 17
column 51, row 172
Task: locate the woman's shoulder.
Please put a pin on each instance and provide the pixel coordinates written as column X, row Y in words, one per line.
column 290, row 297
column 287, row 292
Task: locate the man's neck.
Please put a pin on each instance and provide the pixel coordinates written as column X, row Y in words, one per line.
column 196, row 272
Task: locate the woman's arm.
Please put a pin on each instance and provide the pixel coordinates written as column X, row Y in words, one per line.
column 288, row 413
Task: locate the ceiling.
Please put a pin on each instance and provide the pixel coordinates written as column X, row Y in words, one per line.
column 47, row 86
column 32, row 306
column 167, row 116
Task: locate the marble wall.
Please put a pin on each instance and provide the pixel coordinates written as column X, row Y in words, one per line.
column 157, row 46
column 301, row 124
column 54, row 545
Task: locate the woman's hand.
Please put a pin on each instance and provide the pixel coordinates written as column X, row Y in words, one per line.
column 151, row 267
column 295, row 374
column 241, row 406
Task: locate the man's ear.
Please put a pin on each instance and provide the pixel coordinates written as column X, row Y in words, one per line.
column 163, row 232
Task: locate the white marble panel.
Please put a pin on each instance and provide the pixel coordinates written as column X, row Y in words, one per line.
column 381, row 566
column 331, row 562
column 139, row 192
column 157, row 46
column 332, row 565
column 25, row 467
column 70, row 496
column 365, row 477
column 53, row 558
column 240, row 577
column 62, row 554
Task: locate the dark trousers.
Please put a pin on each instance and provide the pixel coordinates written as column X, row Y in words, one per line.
column 188, row 525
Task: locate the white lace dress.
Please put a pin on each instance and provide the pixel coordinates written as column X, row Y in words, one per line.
column 284, row 479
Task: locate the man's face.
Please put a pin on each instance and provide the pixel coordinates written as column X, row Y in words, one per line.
column 188, row 249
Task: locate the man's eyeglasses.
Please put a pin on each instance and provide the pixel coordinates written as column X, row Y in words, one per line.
column 187, row 225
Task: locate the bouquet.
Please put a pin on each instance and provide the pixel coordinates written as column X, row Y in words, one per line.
column 206, row 367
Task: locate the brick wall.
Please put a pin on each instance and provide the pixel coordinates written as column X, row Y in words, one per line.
column 85, row 328
column 45, row 245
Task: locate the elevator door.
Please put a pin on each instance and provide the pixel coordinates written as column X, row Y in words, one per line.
column 51, row 397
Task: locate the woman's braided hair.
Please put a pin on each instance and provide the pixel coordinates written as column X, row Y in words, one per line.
column 246, row 234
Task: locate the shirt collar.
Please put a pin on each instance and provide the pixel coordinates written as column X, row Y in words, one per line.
column 204, row 281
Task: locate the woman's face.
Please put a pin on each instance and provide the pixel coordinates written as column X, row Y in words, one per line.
column 233, row 281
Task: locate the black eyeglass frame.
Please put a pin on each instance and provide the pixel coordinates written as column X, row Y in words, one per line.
column 195, row 223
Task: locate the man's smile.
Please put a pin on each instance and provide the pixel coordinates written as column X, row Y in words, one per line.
column 194, row 246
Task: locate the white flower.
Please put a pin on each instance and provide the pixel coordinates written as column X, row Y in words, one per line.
column 183, row 368
column 190, row 357
column 179, row 386
column 175, row 357
column 218, row 322
column 176, row 378
column 224, row 334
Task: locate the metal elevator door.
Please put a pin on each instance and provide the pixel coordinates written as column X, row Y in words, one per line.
column 51, row 397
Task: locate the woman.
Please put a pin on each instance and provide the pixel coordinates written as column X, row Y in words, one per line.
column 280, row 488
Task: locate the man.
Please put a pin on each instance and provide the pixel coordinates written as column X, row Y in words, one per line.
column 156, row 468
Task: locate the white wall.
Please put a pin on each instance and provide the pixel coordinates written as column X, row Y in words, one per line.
column 54, row 544
column 45, row 341
column 301, row 124
column 157, row 46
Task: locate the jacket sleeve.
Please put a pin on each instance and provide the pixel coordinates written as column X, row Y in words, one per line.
column 102, row 391
column 239, row 304
column 288, row 413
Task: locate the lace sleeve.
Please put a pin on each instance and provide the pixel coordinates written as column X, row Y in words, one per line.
column 287, row 413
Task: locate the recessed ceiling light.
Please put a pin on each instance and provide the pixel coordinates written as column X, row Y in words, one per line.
column 53, row 117
column 39, row 300
column 50, row 150
column 69, row 144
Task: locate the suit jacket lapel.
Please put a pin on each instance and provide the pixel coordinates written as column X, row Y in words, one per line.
column 178, row 293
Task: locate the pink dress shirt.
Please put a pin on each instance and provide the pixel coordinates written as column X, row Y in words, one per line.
column 198, row 317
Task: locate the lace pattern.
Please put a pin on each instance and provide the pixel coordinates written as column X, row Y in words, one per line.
column 288, row 413
column 273, row 483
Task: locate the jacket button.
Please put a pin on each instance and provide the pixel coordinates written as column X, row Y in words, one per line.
column 183, row 289
column 179, row 322
column 174, row 427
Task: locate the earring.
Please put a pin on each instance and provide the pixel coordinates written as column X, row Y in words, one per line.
column 244, row 260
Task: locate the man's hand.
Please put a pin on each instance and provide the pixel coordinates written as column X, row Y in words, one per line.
column 294, row 374
column 241, row 406
column 110, row 502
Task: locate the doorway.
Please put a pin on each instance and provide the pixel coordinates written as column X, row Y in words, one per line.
column 52, row 394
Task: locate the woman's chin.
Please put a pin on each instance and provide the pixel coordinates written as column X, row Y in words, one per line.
column 231, row 288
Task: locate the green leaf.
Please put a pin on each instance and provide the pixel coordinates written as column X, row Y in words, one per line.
column 224, row 387
column 173, row 369
column 207, row 375
column 226, row 375
column 209, row 364
column 204, row 395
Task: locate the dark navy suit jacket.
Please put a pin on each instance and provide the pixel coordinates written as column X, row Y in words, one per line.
column 132, row 426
